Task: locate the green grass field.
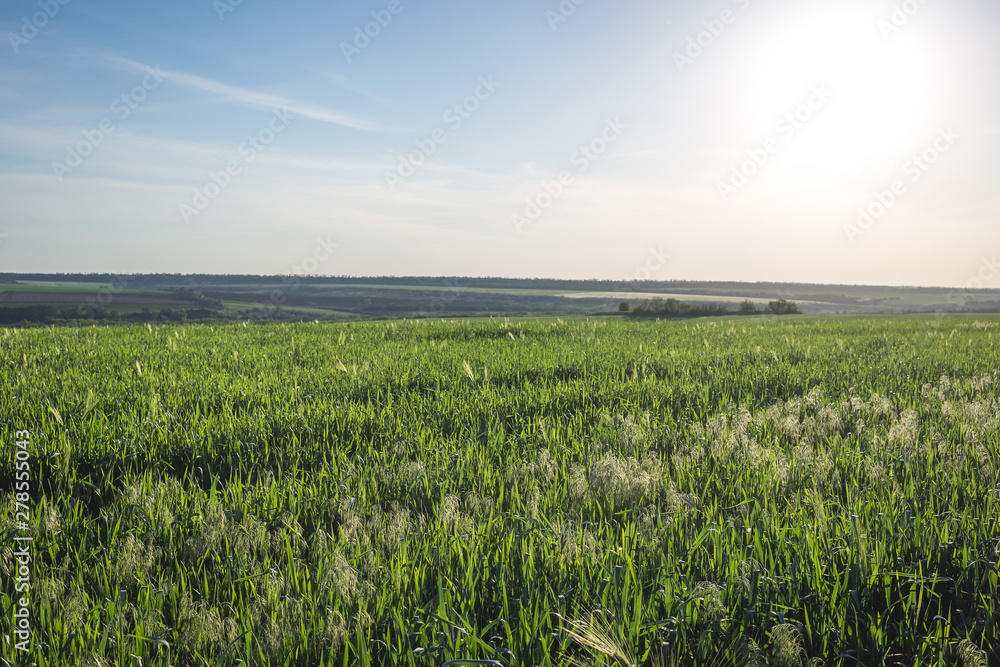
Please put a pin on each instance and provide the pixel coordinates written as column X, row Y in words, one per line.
column 756, row 491
column 54, row 286
column 261, row 310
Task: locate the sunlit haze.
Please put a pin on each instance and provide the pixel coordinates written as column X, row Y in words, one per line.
column 755, row 140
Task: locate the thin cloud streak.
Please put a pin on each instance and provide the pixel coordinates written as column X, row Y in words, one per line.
column 254, row 98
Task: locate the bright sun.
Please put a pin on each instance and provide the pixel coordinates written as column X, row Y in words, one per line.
column 885, row 91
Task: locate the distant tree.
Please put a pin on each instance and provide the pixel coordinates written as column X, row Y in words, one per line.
column 663, row 307
column 673, row 308
column 748, row 307
column 28, row 314
column 782, row 307
column 201, row 314
column 624, row 306
column 171, row 315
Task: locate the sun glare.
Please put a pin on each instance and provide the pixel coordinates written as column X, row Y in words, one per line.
column 883, row 90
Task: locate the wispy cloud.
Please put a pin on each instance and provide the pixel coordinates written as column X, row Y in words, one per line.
column 348, row 84
column 256, row 99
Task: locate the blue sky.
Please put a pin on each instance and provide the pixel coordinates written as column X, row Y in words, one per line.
column 794, row 140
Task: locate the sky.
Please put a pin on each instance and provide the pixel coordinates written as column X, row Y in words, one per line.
column 850, row 142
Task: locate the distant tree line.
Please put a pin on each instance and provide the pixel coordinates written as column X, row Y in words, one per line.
column 205, row 282
column 673, row 308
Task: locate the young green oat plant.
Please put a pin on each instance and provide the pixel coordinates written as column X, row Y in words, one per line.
column 814, row 490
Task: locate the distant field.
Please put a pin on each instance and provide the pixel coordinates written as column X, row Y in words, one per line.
column 76, row 297
column 325, row 298
column 44, row 286
column 638, row 296
column 262, row 310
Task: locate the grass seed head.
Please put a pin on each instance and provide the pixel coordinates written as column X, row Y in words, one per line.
column 786, row 646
